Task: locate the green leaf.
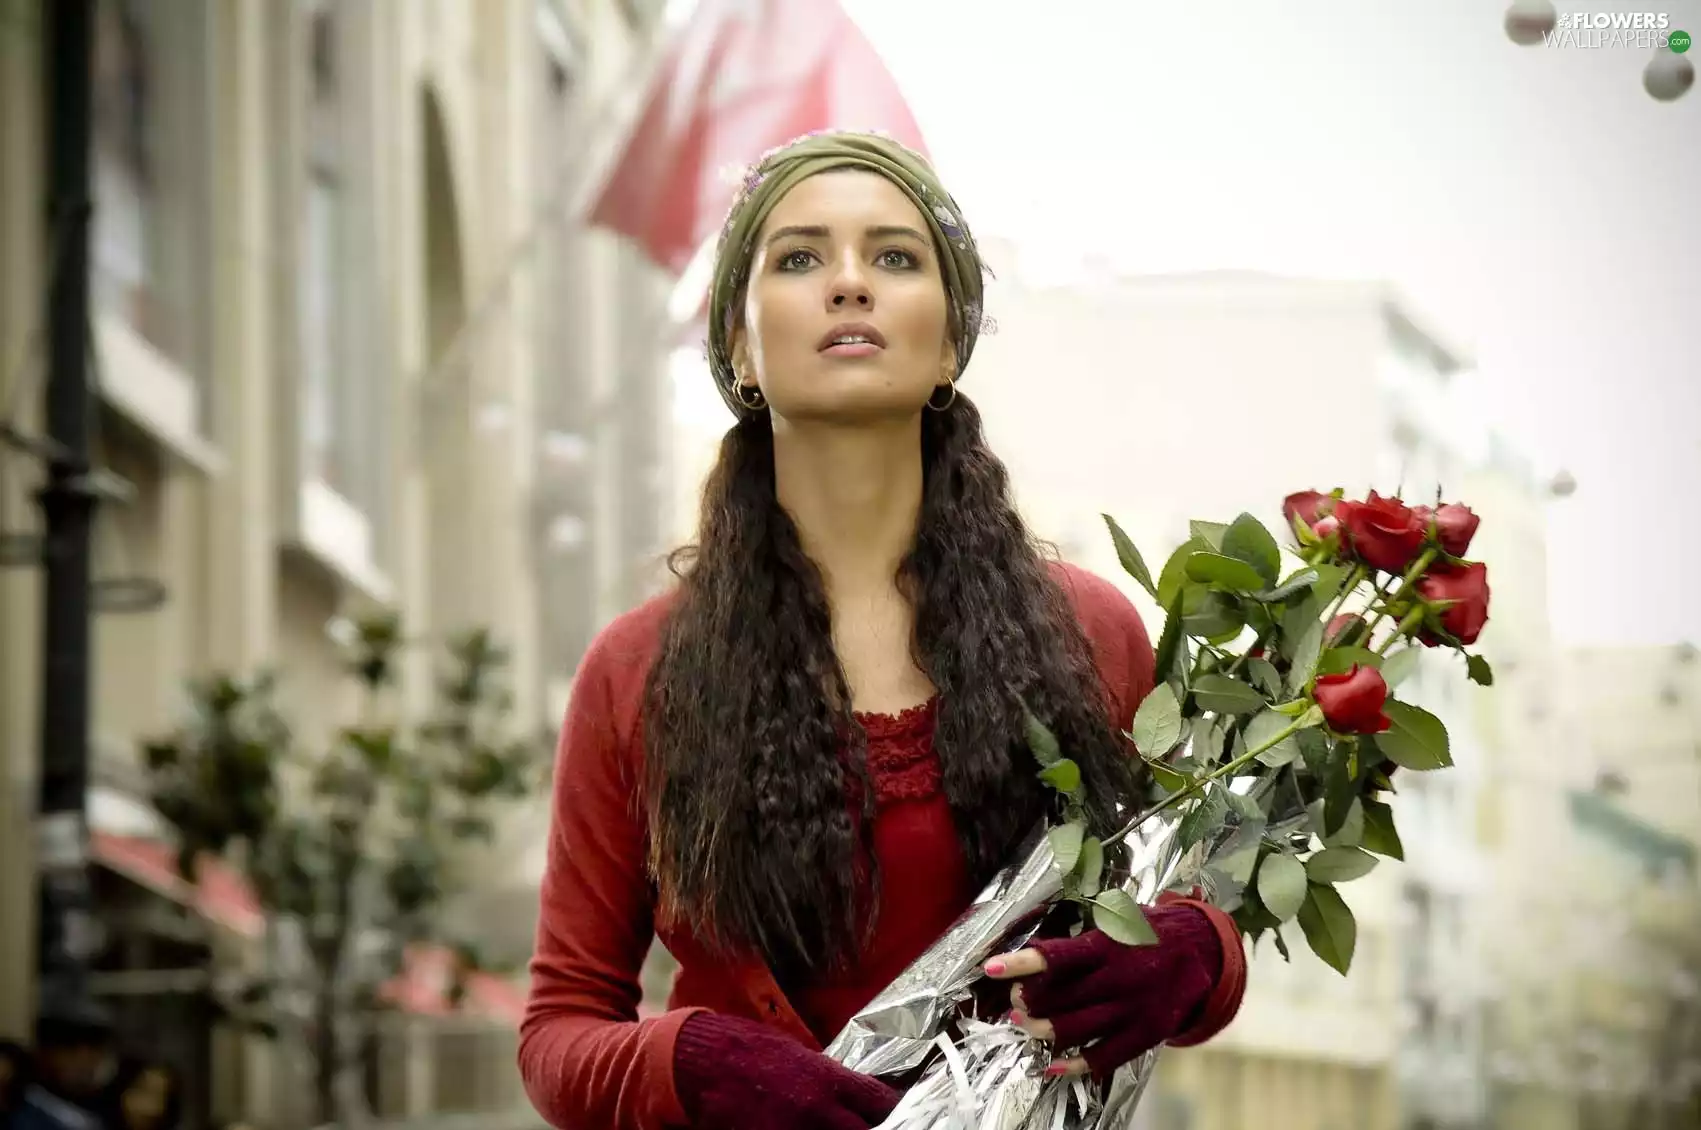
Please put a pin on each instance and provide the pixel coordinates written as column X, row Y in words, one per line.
column 1339, row 865
column 1157, row 724
column 1329, row 926
column 1478, row 669
column 1172, row 661
column 1173, row 579
column 1305, row 654
column 1299, row 582
column 1316, row 751
column 1117, row 914
column 1042, row 741
column 1247, row 540
column 1211, row 533
column 1351, row 831
column 1265, row 676
column 1223, row 572
column 1281, row 885
column 1064, row 775
column 1380, row 834
column 1205, row 818
column 1282, row 946
column 1417, row 740
column 1340, row 660
column 1213, row 615
column 1266, row 726
column 1223, row 695
column 1400, row 666
column 1238, row 864
column 1066, row 846
column 1132, row 563
column 1242, row 805
column 1167, row 778
column 1092, row 866
column 1340, row 787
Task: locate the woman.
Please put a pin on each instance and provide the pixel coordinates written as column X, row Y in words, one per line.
column 799, row 767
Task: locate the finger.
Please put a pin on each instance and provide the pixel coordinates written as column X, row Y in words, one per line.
column 839, row 1118
column 1022, row 963
column 1053, row 991
column 1018, row 999
column 1066, row 1068
column 1038, row 1029
column 869, row 1098
column 1078, row 1027
column 1106, row 1056
column 1087, row 951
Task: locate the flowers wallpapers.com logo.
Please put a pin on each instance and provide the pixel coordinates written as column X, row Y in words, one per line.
column 1644, row 30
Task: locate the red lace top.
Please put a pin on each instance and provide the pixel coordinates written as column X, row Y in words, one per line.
column 587, row 1058
column 924, row 878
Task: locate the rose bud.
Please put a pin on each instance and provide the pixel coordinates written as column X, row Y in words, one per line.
column 1307, row 506
column 1352, row 703
column 1455, row 526
column 1466, row 588
column 1384, row 533
column 1340, row 626
column 1327, row 527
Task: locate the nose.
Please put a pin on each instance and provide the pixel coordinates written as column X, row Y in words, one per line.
column 849, row 289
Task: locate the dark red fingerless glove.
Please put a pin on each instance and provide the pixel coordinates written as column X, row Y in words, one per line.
column 1117, row 1002
column 735, row 1074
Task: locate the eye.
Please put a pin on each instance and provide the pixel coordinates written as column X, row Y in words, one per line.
column 897, row 259
column 796, row 260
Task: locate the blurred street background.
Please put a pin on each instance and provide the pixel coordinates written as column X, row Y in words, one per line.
column 394, row 312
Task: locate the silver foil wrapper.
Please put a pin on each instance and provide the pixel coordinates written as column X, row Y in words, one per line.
column 979, row 1076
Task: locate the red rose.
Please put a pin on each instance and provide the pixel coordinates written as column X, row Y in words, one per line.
column 1384, row 533
column 1455, row 526
column 1327, row 527
column 1466, row 587
column 1352, row 703
column 1308, row 506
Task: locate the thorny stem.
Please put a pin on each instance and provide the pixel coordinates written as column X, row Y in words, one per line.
column 1417, row 569
column 1305, row 721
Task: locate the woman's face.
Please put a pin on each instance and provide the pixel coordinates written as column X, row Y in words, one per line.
column 146, row 1098
column 844, row 257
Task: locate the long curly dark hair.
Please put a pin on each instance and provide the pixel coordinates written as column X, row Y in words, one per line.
column 749, row 733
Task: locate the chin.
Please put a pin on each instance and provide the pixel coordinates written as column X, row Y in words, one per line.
column 849, row 408
column 850, row 396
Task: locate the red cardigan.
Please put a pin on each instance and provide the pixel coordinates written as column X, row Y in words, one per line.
column 587, row 1059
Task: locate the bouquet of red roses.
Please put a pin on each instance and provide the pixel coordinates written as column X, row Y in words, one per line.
column 1272, row 737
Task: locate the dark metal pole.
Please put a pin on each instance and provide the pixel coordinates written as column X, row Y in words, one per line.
column 66, row 927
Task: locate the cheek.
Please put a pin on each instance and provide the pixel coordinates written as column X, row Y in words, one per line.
column 776, row 320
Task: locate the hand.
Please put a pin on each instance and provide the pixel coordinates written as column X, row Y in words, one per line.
column 1114, row 1002
column 735, row 1074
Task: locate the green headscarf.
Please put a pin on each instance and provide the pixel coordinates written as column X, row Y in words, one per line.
column 782, row 169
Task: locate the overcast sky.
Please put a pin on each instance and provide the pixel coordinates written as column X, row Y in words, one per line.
column 1535, row 203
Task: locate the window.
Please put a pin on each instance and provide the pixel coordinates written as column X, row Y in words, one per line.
column 122, row 111
column 322, row 300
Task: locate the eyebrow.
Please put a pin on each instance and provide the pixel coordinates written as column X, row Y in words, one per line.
column 818, row 231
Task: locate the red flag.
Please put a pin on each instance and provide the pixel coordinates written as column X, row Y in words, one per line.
column 743, row 77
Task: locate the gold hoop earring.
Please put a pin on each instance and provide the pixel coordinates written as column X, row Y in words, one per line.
column 949, row 400
column 749, row 396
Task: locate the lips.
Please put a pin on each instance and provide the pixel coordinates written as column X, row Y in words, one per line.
column 852, row 333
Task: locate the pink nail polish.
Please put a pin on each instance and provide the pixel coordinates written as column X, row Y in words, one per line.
column 995, row 968
column 1056, row 1069
column 1018, row 1019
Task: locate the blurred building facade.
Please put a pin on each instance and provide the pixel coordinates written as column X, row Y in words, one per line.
column 1603, row 1030
column 353, row 352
